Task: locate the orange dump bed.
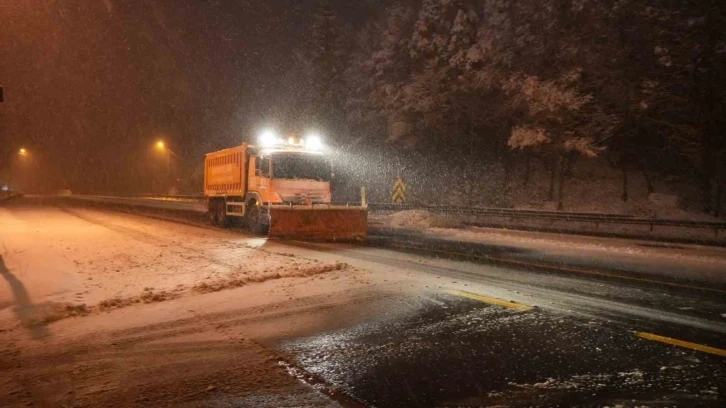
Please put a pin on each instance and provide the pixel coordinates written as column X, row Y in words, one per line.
column 225, row 172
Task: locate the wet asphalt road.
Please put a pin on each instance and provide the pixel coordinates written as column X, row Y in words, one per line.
column 578, row 345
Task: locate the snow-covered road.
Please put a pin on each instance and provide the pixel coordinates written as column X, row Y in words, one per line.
column 132, row 279
column 89, row 256
column 104, row 308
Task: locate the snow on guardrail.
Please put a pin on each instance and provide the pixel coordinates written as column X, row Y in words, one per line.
column 494, row 217
column 149, row 202
column 551, row 215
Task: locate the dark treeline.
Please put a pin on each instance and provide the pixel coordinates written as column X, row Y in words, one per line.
column 461, row 97
column 640, row 84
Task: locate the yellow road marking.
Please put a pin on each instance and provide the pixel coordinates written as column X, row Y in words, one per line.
column 562, row 268
column 493, row 301
column 681, row 343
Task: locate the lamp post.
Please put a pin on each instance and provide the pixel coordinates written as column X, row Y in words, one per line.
column 160, row 145
column 17, row 169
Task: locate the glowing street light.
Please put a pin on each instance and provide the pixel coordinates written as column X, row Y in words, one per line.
column 18, row 171
column 162, row 147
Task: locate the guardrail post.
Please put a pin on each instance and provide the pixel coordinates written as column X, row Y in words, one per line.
column 363, row 199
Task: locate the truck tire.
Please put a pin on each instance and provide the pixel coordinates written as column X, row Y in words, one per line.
column 212, row 212
column 254, row 219
column 211, row 216
column 221, row 218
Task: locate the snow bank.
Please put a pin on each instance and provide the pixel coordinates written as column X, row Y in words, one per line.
column 419, row 219
column 114, row 261
column 234, row 280
column 147, row 296
column 48, row 312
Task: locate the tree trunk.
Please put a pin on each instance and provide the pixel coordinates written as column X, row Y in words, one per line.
column 506, row 181
column 564, row 162
column 707, row 193
column 624, row 195
column 553, row 168
column 527, row 169
column 568, row 164
column 648, row 181
column 717, row 206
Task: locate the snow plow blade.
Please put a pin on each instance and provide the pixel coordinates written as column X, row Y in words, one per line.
column 319, row 223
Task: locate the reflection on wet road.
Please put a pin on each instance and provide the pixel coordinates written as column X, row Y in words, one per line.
column 444, row 350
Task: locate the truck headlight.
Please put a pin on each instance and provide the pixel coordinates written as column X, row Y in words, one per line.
column 313, row 142
column 268, row 138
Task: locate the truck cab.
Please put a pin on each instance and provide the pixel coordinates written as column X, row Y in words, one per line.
column 290, row 177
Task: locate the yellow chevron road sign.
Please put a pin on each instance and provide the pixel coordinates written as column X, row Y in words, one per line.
column 399, row 191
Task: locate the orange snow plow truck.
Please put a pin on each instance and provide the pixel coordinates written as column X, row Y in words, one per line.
column 279, row 189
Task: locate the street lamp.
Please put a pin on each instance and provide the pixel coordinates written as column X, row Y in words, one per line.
column 160, row 145
column 17, row 169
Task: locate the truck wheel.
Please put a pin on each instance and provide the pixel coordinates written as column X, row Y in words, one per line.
column 254, row 220
column 221, row 215
column 212, row 212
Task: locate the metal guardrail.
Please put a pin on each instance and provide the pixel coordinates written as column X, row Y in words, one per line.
column 189, row 197
column 149, row 202
column 553, row 215
column 194, row 203
column 386, row 207
column 10, row 196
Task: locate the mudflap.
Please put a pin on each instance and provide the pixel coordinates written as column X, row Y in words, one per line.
column 319, row 224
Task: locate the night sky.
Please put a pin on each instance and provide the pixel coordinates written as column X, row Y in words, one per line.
column 90, row 85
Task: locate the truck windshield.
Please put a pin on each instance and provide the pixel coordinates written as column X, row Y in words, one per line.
column 300, row 166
